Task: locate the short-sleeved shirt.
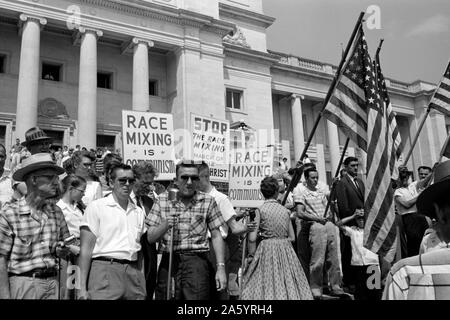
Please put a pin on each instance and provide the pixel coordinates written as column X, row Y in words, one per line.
column 28, row 240
column 360, row 255
column 315, row 202
column 118, row 231
column 225, row 208
column 93, row 192
column 406, row 194
column 73, row 216
column 301, row 187
column 190, row 234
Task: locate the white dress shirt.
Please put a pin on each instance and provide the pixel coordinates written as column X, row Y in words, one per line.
column 93, row 192
column 225, row 208
column 118, row 231
column 73, row 217
column 6, row 190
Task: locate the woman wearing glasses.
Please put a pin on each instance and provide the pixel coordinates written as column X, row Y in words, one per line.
column 82, row 164
column 74, row 188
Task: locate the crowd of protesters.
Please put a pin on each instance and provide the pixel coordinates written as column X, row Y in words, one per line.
column 81, row 224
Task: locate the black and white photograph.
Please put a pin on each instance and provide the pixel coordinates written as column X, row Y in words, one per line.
column 224, row 156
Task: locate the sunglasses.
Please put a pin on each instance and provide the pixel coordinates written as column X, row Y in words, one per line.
column 186, row 178
column 50, row 177
column 125, row 180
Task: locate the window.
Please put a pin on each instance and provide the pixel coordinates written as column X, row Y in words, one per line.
column 3, row 135
column 106, row 141
column 104, row 80
column 51, row 71
column 57, row 136
column 2, row 63
column 234, row 99
column 153, row 87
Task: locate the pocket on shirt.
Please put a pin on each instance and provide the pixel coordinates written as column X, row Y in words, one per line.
column 22, row 246
column 198, row 224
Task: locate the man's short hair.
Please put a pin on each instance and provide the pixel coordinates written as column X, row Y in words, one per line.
column 116, row 167
column 424, row 167
column 349, row 159
column 77, row 156
column 308, row 171
column 186, row 164
column 309, row 165
column 203, row 166
column 143, row 167
column 269, row 187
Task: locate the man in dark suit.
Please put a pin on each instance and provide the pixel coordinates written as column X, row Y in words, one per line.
column 145, row 173
column 350, row 200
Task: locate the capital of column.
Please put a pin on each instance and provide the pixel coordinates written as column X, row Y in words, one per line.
column 97, row 33
column 24, row 17
column 137, row 40
column 297, row 96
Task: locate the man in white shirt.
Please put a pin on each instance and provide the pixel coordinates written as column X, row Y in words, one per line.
column 110, row 241
column 405, row 197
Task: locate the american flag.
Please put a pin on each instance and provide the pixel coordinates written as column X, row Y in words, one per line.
column 441, row 97
column 360, row 107
column 383, row 153
column 347, row 105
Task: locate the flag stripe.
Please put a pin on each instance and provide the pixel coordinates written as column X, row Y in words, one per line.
column 441, row 97
column 445, row 89
column 353, row 135
column 347, row 106
column 440, row 109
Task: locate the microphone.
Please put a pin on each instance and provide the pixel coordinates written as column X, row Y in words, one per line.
column 173, row 193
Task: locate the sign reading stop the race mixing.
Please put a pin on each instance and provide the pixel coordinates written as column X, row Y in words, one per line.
column 211, row 143
column 149, row 136
column 248, row 168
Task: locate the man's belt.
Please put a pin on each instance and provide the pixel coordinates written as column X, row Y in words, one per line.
column 111, row 260
column 41, row 273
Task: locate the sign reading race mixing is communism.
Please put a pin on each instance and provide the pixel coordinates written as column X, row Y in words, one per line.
column 148, row 136
column 248, row 168
column 211, row 143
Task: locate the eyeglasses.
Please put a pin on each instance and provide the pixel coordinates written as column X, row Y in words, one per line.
column 89, row 164
column 125, row 180
column 81, row 191
column 50, row 177
column 186, row 178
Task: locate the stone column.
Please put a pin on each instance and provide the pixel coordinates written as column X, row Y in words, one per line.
column 333, row 143
column 87, row 88
column 28, row 84
column 141, row 100
column 297, row 125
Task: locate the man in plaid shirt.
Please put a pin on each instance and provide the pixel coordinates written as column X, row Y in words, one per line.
column 31, row 233
column 191, row 215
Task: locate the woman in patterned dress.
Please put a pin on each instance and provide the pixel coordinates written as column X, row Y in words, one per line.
column 274, row 271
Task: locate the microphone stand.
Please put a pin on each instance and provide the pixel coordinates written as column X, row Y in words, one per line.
column 172, row 197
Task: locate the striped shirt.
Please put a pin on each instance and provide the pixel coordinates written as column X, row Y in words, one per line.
column 27, row 240
column 422, row 277
column 190, row 233
column 314, row 201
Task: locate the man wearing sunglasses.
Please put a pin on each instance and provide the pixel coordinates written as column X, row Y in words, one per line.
column 32, row 231
column 191, row 215
column 110, row 233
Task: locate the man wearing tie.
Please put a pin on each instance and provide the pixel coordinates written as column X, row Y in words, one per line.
column 350, row 200
column 145, row 173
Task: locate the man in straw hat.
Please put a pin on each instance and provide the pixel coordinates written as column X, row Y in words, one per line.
column 32, row 231
column 427, row 276
column 37, row 141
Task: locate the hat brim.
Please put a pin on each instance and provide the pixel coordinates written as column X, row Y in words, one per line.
column 22, row 172
column 27, row 143
column 430, row 195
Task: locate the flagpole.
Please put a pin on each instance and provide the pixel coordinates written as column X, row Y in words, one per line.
column 338, row 169
column 422, row 123
column 299, row 170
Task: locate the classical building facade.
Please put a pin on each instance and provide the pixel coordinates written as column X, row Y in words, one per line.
column 72, row 66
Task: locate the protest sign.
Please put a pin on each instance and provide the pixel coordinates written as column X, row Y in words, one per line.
column 211, row 143
column 248, row 167
column 149, row 136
